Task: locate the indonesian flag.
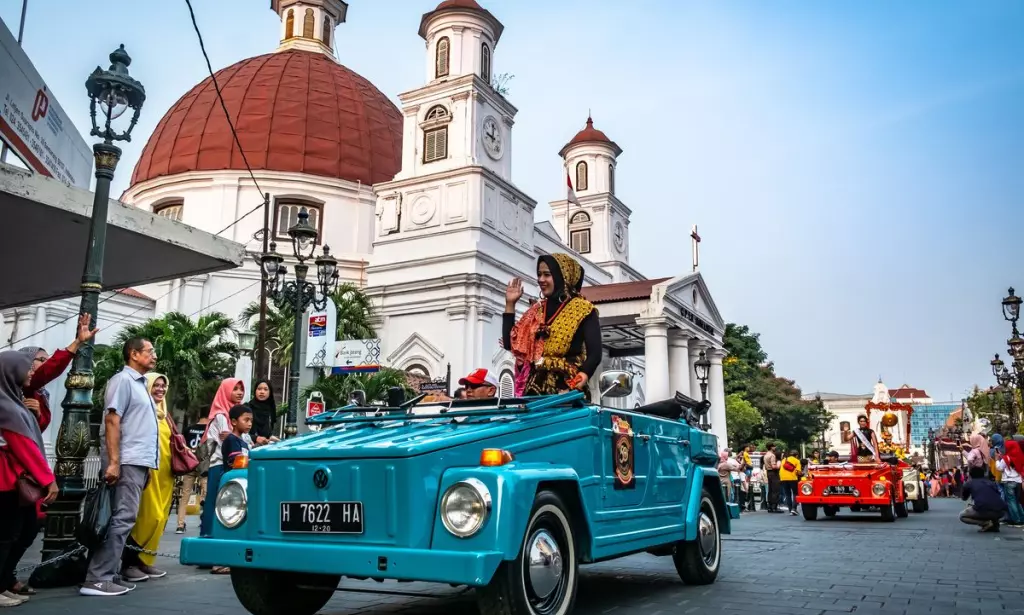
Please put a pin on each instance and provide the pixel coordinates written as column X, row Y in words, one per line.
column 572, row 193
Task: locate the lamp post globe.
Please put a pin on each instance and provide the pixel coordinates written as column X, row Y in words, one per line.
column 1016, row 346
column 702, row 368
column 113, row 91
column 997, row 365
column 1011, row 308
column 303, row 236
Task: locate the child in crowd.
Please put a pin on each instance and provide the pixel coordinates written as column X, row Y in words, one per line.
column 238, row 441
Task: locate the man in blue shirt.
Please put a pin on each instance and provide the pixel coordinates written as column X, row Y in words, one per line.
column 988, row 507
column 129, row 448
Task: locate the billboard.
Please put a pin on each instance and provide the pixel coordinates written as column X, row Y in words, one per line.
column 32, row 122
column 321, row 326
column 356, row 356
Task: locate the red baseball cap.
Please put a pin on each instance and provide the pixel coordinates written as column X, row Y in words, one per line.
column 479, row 377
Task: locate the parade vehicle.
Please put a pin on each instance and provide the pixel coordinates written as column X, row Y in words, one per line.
column 854, row 485
column 913, row 487
column 507, row 496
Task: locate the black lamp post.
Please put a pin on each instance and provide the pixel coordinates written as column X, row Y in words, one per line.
column 113, row 92
column 298, row 294
column 702, row 367
column 931, row 449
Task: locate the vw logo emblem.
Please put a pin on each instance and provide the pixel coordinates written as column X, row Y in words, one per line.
column 321, row 478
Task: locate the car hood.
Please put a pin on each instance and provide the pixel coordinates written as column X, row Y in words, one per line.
column 408, row 437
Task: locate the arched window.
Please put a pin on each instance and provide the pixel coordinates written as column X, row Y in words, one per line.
column 581, row 175
column 435, row 134
column 506, row 385
column 580, row 217
column 418, row 370
column 485, row 62
column 327, row 31
column 442, row 63
column 307, row 24
column 579, row 232
column 286, row 214
column 611, row 178
column 289, row 24
column 170, row 209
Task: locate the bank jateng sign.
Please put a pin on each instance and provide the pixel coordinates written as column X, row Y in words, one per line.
column 33, row 124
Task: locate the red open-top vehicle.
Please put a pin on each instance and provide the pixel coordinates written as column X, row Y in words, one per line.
column 854, row 485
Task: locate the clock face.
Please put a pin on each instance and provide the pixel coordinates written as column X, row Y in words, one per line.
column 491, row 138
column 619, row 236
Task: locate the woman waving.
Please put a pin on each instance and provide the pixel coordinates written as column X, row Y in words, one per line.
column 557, row 342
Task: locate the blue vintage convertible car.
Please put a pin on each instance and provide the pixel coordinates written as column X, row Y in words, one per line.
column 507, row 496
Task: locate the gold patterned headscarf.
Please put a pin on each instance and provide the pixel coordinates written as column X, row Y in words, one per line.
column 567, row 274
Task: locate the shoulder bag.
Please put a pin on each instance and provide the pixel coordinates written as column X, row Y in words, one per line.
column 183, row 461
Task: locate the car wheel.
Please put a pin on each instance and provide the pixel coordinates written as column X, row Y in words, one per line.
column 901, row 509
column 542, row 579
column 272, row 592
column 810, row 511
column 889, row 511
column 919, row 505
column 926, row 501
column 697, row 561
column 830, row 511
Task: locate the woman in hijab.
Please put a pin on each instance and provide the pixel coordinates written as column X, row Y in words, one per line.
column 229, row 394
column 155, row 504
column 264, row 412
column 557, row 342
column 22, row 453
column 979, row 454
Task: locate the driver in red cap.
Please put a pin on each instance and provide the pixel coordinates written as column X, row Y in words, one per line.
column 480, row 384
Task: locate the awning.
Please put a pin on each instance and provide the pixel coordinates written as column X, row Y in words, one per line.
column 45, row 228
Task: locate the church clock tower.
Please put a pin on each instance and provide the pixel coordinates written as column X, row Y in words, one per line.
column 452, row 207
column 598, row 226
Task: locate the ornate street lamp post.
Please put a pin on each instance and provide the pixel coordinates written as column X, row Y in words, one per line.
column 931, row 450
column 702, row 367
column 298, row 294
column 112, row 92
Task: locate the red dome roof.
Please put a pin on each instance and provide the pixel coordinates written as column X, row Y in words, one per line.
column 293, row 110
column 590, row 135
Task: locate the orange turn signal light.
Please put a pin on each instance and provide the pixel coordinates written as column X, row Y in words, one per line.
column 493, row 457
column 240, row 462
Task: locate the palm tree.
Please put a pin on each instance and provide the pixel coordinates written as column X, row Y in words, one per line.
column 280, row 329
column 355, row 311
column 337, row 388
column 194, row 355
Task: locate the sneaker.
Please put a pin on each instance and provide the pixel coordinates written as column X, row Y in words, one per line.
column 10, row 596
column 153, row 573
column 792, row 512
column 103, row 588
column 180, row 530
column 134, row 575
column 119, row 580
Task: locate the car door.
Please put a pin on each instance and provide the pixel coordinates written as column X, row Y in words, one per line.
column 627, row 448
column 670, row 461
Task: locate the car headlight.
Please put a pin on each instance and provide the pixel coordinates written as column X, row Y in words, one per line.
column 878, row 489
column 807, row 488
column 911, row 488
column 465, row 507
column 231, row 502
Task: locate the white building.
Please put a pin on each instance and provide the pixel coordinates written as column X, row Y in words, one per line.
column 418, row 204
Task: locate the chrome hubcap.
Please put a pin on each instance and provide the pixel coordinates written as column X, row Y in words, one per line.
column 545, row 564
column 708, row 539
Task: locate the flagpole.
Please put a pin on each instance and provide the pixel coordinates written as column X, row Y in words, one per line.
column 21, row 37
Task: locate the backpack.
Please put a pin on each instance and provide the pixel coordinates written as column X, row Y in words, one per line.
column 788, row 466
column 204, row 452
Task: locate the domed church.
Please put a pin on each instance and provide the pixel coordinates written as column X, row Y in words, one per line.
column 416, row 202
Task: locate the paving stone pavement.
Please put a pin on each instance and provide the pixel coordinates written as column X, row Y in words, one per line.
column 773, row 564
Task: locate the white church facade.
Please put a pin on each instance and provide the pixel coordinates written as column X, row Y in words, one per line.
column 416, row 202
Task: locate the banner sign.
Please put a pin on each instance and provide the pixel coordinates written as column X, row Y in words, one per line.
column 33, row 123
column 321, row 331
column 357, row 356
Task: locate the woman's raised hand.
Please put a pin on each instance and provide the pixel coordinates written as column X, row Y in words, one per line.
column 513, row 293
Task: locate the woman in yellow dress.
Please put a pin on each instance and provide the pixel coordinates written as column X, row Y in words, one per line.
column 557, row 342
column 155, row 505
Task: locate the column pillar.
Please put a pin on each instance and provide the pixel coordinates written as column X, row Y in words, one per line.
column 679, row 363
column 695, row 346
column 716, row 393
column 656, row 375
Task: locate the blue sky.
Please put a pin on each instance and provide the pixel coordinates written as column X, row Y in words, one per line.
column 854, row 167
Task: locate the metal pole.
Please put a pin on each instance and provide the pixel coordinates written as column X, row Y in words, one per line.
column 262, row 359
column 21, row 37
column 74, row 437
column 293, row 376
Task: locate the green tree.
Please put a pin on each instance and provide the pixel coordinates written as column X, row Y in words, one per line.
column 337, row 388
column 743, row 419
column 194, row 355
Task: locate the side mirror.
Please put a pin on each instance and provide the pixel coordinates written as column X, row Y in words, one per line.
column 615, row 384
column 357, row 397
